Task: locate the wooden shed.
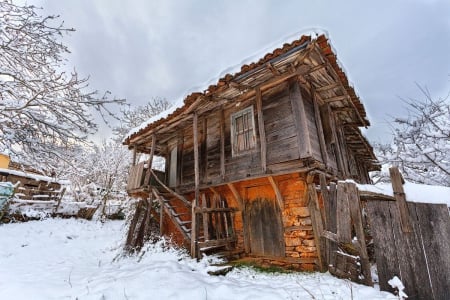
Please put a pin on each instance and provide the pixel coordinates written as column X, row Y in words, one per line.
column 243, row 156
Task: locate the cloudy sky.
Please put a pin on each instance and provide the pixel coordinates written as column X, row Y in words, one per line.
column 140, row 49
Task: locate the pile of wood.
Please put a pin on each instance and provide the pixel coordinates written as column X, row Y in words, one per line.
column 142, row 227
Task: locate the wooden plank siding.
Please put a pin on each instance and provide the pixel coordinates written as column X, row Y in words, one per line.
column 311, row 125
column 290, row 134
column 281, row 132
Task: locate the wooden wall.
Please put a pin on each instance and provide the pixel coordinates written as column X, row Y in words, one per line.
column 292, row 133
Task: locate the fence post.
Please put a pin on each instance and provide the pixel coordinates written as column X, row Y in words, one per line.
column 400, row 197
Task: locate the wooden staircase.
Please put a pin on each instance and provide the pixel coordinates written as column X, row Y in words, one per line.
column 179, row 211
column 213, row 221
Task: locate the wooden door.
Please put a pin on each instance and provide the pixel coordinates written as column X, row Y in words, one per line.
column 265, row 227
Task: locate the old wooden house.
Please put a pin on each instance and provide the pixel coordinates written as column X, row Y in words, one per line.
column 244, row 156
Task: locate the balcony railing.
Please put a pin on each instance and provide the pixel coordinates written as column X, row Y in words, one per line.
column 138, row 174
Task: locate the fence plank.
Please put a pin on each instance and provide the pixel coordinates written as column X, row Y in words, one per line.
column 400, row 197
column 344, row 230
column 332, row 227
column 316, row 220
column 434, row 225
column 355, row 211
column 380, row 225
column 413, row 270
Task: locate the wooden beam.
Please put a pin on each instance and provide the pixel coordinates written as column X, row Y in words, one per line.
column 204, row 150
column 278, row 195
column 317, row 224
column 335, row 98
column 317, row 68
column 134, row 155
column 236, row 195
column 212, row 189
column 214, row 209
column 222, row 145
column 303, row 54
column 344, row 229
column 196, row 159
column 400, row 197
column 194, row 248
column 205, row 218
column 356, row 216
column 239, row 86
column 150, row 161
column 323, row 146
column 328, row 87
column 300, row 119
column 262, row 131
column 184, row 200
column 161, row 216
column 333, row 73
column 273, row 69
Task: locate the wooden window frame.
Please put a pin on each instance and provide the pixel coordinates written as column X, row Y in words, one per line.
column 250, row 143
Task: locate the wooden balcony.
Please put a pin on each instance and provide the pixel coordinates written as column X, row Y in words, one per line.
column 139, row 179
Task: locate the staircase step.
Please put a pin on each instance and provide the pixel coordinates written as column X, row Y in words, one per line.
column 181, row 214
column 185, row 222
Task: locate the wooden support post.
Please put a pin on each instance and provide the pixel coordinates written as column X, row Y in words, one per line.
column 240, row 202
column 203, row 150
column 344, row 229
column 150, row 162
column 400, row 197
column 194, row 248
column 236, row 196
column 326, row 198
column 262, row 131
column 332, row 247
column 277, row 192
column 205, row 218
column 356, row 216
column 194, row 224
column 323, row 147
column 134, row 155
column 300, row 119
column 185, row 201
column 196, row 159
column 161, row 216
column 316, row 221
column 222, row 145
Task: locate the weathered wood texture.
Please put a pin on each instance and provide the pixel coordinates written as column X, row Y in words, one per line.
column 139, row 229
column 399, row 195
column 30, row 187
column 136, row 177
column 346, row 249
column 420, row 258
column 265, row 228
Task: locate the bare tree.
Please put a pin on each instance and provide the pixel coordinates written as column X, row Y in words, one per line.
column 421, row 147
column 132, row 117
column 42, row 109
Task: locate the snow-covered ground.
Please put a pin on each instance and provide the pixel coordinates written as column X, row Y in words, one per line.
column 78, row 259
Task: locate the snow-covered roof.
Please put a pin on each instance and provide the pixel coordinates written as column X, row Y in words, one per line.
column 254, row 61
column 36, row 177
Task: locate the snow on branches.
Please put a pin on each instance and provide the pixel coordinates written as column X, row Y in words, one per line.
column 41, row 107
column 421, row 147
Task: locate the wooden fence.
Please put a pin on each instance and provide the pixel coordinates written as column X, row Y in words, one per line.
column 420, row 257
column 411, row 240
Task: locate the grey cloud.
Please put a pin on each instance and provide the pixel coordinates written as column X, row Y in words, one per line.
column 140, row 49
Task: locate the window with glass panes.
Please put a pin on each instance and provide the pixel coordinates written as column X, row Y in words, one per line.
column 243, row 137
